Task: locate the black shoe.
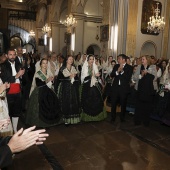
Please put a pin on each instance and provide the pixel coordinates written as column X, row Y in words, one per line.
column 67, row 124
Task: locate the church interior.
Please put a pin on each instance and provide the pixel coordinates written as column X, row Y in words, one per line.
column 102, row 28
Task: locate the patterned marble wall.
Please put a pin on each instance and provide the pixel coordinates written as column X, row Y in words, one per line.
column 106, row 15
column 132, row 28
column 106, row 11
column 166, row 32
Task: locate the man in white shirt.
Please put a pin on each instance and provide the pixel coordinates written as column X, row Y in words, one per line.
column 12, row 72
column 121, row 75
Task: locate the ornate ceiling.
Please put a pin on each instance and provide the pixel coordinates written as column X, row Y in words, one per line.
column 22, row 4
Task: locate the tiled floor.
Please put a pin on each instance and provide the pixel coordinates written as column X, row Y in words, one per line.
column 100, row 146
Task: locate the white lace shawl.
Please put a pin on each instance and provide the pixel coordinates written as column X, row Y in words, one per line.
column 68, row 73
column 84, row 72
column 36, row 75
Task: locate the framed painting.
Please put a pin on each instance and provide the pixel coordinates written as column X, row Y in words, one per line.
column 41, row 41
column 104, row 33
column 148, row 10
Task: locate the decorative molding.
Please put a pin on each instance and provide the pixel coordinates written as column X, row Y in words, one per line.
column 88, row 18
column 21, row 14
column 57, row 24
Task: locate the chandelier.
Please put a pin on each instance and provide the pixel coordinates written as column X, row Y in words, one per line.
column 31, row 33
column 156, row 23
column 46, row 29
column 70, row 22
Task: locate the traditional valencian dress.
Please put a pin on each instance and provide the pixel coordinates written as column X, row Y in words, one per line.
column 91, row 95
column 43, row 108
column 108, row 82
column 4, row 114
column 68, row 93
column 163, row 103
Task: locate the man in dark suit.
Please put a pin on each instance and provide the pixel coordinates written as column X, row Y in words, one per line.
column 121, row 74
column 23, row 60
column 12, row 72
column 20, row 58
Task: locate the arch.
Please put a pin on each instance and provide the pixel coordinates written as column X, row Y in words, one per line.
column 80, row 8
column 93, row 49
column 15, row 41
column 148, row 48
column 93, row 8
column 29, row 47
column 41, row 15
column 63, row 11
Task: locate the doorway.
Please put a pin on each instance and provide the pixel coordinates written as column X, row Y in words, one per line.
column 93, row 49
column 28, row 48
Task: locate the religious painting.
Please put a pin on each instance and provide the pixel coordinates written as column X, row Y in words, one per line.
column 148, row 10
column 104, row 33
column 67, row 38
column 15, row 42
column 41, row 41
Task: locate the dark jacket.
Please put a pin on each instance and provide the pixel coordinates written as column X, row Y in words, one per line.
column 6, row 72
column 5, row 152
column 146, row 88
column 124, row 78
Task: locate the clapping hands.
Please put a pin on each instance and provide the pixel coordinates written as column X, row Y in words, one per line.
column 4, row 123
column 72, row 75
column 4, row 86
column 50, row 79
column 120, row 69
column 23, row 139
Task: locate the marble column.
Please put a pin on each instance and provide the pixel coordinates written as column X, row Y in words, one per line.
column 79, row 35
column 118, row 26
column 55, row 34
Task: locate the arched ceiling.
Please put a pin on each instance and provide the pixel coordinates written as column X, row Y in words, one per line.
column 64, row 6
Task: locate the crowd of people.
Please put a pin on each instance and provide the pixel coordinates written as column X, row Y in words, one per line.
column 46, row 90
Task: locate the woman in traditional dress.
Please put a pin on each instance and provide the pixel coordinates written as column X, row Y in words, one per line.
column 67, row 88
column 100, row 71
column 4, row 115
column 108, row 80
column 163, row 107
column 91, row 97
column 145, row 76
column 77, row 63
column 102, row 62
column 43, row 107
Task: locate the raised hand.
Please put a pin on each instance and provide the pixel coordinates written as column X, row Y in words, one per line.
column 120, row 69
column 20, row 73
column 23, row 139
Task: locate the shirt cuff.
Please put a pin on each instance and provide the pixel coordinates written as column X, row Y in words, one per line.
column 49, row 84
column 122, row 72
